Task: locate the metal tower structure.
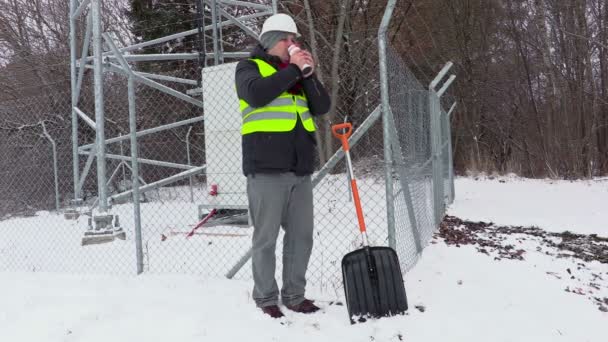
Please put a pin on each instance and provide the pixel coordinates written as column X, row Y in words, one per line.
column 107, row 57
column 99, row 52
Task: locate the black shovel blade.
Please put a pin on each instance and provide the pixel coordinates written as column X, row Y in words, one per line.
column 373, row 283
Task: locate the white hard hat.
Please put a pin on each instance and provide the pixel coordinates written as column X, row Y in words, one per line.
column 280, row 22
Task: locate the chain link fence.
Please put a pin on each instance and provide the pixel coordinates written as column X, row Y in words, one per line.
column 192, row 170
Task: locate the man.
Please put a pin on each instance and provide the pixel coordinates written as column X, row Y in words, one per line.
column 277, row 104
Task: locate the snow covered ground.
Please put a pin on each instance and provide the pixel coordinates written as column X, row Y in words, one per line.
column 578, row 206
column 455, row 293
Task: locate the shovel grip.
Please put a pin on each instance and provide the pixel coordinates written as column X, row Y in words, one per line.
column 343, row 137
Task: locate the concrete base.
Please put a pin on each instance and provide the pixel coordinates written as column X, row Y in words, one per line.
column 103, row 231
column 71, row 214
column 94, row 238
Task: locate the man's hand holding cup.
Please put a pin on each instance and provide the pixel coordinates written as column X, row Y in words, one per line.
column 302, row 58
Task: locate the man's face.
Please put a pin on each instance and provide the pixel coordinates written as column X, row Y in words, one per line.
column 280, row 49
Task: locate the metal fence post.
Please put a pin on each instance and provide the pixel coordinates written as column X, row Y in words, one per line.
column 135, row 177
column 451, row 163
column 435, row 113
column 445, row 142
column 386, row 122
column 75, row 160
column 436, row 139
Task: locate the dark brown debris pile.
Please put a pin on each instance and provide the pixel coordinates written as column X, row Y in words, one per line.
column 457, row 232
column 489, row 238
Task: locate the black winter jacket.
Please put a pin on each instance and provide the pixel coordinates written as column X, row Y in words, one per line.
column 276, row 152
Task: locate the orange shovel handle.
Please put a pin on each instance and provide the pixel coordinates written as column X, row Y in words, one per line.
column 343, row 137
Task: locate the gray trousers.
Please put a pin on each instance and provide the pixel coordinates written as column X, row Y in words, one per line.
column 280, row 200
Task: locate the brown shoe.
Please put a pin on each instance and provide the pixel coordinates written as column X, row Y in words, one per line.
column 306, row 306
column 273, row 311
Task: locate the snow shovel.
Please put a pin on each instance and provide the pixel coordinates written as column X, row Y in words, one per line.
column 373, row 284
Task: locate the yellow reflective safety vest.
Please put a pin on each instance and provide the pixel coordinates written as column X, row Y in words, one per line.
column 280, row 115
